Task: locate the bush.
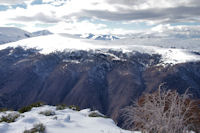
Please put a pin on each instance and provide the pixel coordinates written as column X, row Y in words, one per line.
column 28, row 108
column 97, row 114
column 4, row 109
column 61, row 107
column 37, row 128
column 11, row 117
column 48, row 113
column 163, row 112
column 74, row 107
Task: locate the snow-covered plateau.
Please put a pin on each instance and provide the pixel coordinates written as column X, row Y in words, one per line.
column 173, row 51
column 63, row 121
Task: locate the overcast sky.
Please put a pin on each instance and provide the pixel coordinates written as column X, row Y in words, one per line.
column 102, row 16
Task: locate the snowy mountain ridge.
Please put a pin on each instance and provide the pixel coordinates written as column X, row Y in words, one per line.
column 170, row 55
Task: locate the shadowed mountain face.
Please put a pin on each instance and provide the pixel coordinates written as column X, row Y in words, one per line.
column 103, row 80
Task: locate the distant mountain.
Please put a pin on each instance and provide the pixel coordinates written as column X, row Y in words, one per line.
column 106, row 37
column 102, row 75
column 12, row 34
column 99, row 37
column 42, row 33
column 103, row 80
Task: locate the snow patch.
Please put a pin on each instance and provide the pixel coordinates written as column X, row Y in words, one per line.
column 64, row 121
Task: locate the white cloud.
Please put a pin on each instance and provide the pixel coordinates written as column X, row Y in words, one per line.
column 183, row 31
column 12, row 2
column 65, row 15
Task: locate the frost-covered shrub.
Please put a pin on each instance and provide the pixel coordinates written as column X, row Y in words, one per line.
column 11, row 117
column 163, row 112
column 28, row 108
column 96, row 114
column 61, row 107
column 55, row 118
column 37, row 128
column 48, row 113
column 74, row 107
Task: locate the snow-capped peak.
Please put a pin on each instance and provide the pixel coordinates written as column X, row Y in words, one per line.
column 99, row 37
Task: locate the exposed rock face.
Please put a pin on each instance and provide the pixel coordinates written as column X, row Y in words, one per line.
column 103, row 80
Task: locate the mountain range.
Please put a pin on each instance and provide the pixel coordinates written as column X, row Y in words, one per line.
column 99, row 37
column 103, row 75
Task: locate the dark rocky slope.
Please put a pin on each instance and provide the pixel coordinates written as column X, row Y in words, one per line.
column 92, row 79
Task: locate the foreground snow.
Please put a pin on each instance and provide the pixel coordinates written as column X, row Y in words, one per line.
column 64, row 121
column 172, row 51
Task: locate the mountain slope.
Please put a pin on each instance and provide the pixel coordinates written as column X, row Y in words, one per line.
column 11, row 34
column 8, row 34
column 107, row 81
column 90, row 73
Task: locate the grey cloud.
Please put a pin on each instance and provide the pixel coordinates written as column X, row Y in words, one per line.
column 183, row 31
column 177, row 14
column 126, row 2
column 195, row 3
column 12, row 2
column 38, row 17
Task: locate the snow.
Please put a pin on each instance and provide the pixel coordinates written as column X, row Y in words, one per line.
column 8, row 34
column 98, row 37
column 11, row 31
column 68, row 121
column 41, row 33
column 172, row 51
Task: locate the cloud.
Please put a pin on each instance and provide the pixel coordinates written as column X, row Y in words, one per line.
column 41, row 17
column 164, row 15
column 12, row 2
column 181, row 31
column 69, row 14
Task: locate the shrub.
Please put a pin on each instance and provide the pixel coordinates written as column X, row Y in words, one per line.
column 37, row 128
column 55, row 118
column 28, row 108
column 11, row 117
column 74, row 107
column 97, row 114
column 4, row 109
column 48, row 113
column 61, row 107
column 163, row 112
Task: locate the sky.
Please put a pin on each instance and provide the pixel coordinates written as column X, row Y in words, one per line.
column 103, row 16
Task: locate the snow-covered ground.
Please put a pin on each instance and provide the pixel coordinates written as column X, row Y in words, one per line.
column 173, row 51
column 64, row 121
